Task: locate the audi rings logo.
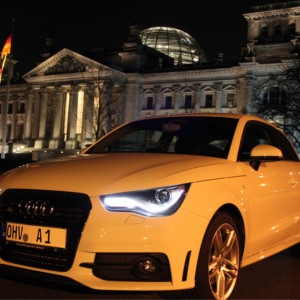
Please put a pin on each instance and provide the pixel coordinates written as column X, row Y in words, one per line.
column 35, row 208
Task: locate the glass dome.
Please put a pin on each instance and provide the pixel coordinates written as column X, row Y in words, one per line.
column 174, row 43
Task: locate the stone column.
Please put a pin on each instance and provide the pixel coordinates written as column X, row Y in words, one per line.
column 177, row 98
column 41, row 143
column 157, row 96
column 28, row 119
column 140, row 101
column 219, row 96
column 197, row 95
column 56, row 141
column 250, row 106
column 88, row 117
column 13, row 118
column 131, row 103
column 36, row 115
column 71, row 142
column 108, row 108
column 202, row 99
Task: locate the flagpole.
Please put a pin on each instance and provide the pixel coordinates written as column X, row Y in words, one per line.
column 5, row 110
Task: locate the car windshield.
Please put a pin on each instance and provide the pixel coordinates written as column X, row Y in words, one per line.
column 209, row 136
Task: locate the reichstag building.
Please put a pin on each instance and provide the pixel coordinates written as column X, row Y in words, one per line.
column 70, row 99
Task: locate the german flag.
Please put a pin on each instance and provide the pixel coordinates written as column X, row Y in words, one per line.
column 5, row 51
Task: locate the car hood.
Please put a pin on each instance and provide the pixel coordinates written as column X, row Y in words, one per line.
column 113, row 172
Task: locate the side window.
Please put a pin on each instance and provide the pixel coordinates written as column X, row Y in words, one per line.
column 253, row 135
column 256, row 134
column 279, row 140
column 286, row 147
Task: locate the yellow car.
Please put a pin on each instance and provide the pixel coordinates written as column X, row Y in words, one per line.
column 165, row 203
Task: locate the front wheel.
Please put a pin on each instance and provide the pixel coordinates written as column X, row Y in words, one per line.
column 219, row 259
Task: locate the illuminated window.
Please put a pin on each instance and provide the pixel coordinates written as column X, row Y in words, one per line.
column 230, row 100
column 273, row 96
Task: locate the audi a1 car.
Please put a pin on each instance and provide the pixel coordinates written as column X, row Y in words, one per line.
column 165, row 203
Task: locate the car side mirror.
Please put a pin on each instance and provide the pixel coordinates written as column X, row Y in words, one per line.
column 264, row 153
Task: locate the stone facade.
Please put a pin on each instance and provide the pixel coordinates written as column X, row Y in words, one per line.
column 57, row 105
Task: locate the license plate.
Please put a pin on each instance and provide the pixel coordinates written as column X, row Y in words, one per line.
column 35, row 235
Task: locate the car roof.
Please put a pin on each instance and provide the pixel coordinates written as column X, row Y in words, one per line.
column 217, row 115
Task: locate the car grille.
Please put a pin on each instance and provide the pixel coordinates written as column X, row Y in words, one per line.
column 70, row 211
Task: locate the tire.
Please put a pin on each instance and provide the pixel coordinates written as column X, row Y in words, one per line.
column 219, row 260
column 295, row 250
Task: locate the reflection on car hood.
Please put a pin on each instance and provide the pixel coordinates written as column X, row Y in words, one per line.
column 112, row 173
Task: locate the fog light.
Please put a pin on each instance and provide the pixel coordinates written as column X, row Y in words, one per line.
column 147, row 267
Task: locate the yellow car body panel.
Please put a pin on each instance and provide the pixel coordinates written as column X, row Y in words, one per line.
column 264, row 201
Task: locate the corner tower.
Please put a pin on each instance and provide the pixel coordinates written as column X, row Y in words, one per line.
column 273, row 32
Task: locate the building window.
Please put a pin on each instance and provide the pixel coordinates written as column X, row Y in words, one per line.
column 274, row 96
column 10, row 108
column 278, row 30
column 21, row 109
column 230, row 100
column 20, row 132
column 264, row 32
column 208, row 100
column 188, row 101
column 149, row 103
column 292, row 29
column 9, row 131
column 168, row 103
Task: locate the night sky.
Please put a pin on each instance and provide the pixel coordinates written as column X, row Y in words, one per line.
column 217, row 25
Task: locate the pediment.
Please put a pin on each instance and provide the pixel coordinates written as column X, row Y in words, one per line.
column 148, row 92
column 167, row 91
column 230, row 88
column 186, row 90
column 64, row 62
column 208, row 89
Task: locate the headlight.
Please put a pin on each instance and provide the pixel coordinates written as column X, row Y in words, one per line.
column 161, row 201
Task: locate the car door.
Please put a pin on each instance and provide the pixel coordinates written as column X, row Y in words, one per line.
column 273, row 191
column 292, row 157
